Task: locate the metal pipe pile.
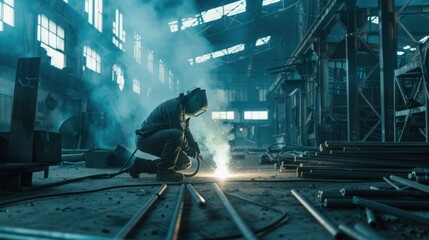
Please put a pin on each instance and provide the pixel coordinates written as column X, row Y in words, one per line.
column 362, row 160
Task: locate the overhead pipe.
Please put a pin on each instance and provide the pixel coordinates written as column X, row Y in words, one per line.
column 324, row 221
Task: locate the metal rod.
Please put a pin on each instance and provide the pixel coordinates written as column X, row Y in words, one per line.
column 196, row 196
column 391, row 183
column 25, row 233
column 382, row 193
column 352, row 232
column 322, row 195
column 173, row 230
column 409, row 183
column 390, row 210
column 128, row 227
column 367, row 231
column 324, row 221
column 402, row 204
column 245, row 230
column 371, row 219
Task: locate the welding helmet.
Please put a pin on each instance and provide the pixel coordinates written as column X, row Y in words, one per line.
column 195, row 102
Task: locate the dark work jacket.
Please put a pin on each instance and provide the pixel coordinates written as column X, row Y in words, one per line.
column 168, row 115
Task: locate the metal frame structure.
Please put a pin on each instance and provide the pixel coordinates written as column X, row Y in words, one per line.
column 346, row 64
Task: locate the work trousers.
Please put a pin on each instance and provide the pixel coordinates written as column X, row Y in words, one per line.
column 167, row 145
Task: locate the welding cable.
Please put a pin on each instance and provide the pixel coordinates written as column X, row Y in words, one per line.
column 95, row 176
column 196, row 170
column 54, row 195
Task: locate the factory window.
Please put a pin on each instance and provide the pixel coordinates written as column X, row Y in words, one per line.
column 220, row 53
column 223, row 115
column 94, row 9
column 7, row 13
column 268, row 2
column 177, row 85
column 92, row 59
column 118, row 76
column 136, row 86
column 118, row 30
column 150, row 61
column 262, row 41
column 161, row 71
column 263, row 95
column 51, row 37
column 230, row 9
column 137, row 47
column 255, row 115
column 170, row 79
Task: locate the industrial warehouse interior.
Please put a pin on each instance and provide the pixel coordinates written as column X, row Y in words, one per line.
column 214, row 119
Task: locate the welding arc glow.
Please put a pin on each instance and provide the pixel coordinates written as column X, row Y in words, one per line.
column 222, row 172
column 221, row 158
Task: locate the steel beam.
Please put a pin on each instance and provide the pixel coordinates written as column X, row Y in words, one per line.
column 322, row 22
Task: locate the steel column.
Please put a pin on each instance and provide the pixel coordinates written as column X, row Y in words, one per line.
column 388, row 48
column 352, row 76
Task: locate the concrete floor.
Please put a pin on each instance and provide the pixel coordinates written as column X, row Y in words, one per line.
column 259, row 193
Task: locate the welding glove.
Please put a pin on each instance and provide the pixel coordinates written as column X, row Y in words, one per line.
column 193, row 152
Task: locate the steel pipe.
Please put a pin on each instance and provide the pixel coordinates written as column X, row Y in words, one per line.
column 129, row 226
column 371, row 219
column 368, row 232
column 324, row 221
column 402, row 204
column 174, row 229
column 352, row 233
column 382, row 193
column 322, row 195
column 390, row 210
column 196, row 196
column 245, row 230
column 25, row 233
column 409, row 183
column 391, row 183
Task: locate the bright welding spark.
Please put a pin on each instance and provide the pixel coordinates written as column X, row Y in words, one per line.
column 222, row 172
column 221, row 158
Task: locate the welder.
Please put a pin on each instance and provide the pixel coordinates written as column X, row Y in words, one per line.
column 166, row 134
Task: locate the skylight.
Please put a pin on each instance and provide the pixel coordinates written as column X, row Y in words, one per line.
column 227, row 51
column 213, row 14
column 268, row 2
column 262, row 41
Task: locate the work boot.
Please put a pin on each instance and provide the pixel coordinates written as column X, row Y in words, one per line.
column 169, row 175
column 142, row 165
